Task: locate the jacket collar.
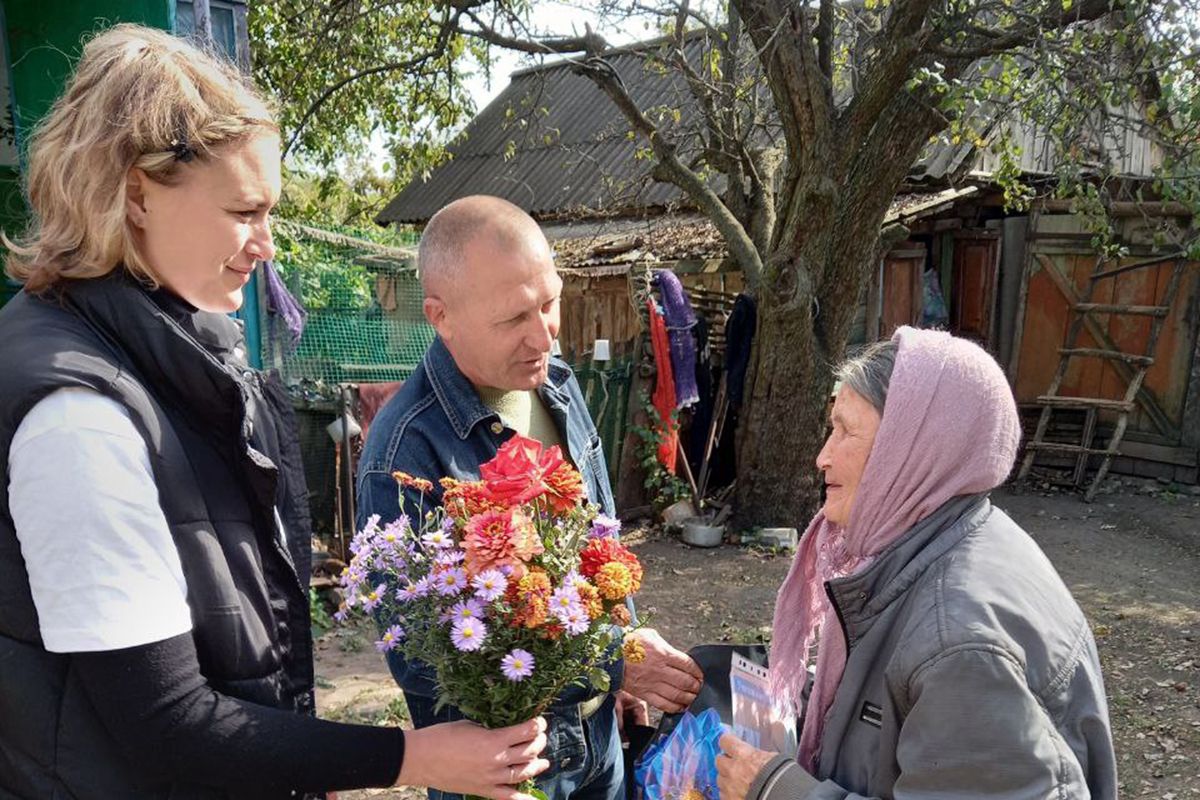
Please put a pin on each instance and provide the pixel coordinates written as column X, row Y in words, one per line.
column 180, row 351
column 460, row 401
column 861, row 597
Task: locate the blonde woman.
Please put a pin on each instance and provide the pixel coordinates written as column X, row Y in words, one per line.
column 154, row 538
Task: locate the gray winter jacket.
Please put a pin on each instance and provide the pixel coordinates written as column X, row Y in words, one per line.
column 971, row 673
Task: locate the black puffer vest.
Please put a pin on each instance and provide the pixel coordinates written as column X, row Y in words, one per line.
column 224, row 457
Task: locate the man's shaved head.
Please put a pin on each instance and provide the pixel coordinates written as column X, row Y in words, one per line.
column 489, row 221
column 491, row 291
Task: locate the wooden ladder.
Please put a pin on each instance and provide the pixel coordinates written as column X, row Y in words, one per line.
column 1139, row 364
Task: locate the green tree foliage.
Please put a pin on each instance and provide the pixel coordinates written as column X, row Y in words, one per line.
column 346, row 73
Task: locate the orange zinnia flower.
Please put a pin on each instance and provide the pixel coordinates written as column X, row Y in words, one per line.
column 500, row 538
column 599, row 552
column 564, row 488
column 590, row 598
column 420, row 484
column 463, row 499
column 614, row 581
column 530, row 599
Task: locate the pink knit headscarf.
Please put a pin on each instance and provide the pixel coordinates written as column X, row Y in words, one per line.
column 949, row 428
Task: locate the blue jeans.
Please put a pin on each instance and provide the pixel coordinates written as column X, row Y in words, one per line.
column 585, row 755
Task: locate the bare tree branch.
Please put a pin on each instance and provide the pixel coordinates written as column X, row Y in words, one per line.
column 825, row 43
column 673, row 170
column 900, row 43
column 803, row 97
column 591, row 43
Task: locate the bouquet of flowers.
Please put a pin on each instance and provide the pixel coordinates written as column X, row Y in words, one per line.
column 512, row 590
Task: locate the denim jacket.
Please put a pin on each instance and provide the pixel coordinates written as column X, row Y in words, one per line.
column 436, row 426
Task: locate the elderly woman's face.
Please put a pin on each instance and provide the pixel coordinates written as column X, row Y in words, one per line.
column 204, row 235
column 843, row 459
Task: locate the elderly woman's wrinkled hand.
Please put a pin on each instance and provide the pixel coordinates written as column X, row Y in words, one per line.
column 737, row 766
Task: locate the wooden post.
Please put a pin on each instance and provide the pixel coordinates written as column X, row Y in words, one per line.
column 1190, row 423
column 1027, row 266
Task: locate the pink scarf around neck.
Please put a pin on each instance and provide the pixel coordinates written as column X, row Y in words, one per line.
column 949, row 428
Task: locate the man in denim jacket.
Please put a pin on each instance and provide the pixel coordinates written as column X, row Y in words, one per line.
column 492, row 295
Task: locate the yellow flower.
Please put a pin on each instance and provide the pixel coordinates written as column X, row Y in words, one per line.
column 633, row 650
column 614, row 581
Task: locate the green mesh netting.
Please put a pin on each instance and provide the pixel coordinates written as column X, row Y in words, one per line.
column 365, row 322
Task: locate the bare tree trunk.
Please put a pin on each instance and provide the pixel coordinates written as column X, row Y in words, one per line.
column 783, row 426
column 807, row 307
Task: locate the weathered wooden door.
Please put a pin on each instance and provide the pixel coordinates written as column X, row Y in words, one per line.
column 901, row 294
column 976, row 267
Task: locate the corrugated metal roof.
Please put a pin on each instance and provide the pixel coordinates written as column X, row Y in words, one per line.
column 554, row 144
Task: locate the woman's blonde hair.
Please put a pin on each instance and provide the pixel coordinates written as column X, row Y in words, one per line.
column 138, row 98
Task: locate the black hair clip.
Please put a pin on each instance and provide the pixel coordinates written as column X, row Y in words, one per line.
column 182, row 151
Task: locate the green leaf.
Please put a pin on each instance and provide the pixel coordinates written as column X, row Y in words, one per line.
column 599, row 679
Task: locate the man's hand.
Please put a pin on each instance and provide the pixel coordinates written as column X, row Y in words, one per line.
column 738, row 764
column 667, row 678
column 464, row 758
column 631, row 710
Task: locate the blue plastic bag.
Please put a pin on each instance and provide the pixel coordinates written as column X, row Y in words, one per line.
column 683, row 765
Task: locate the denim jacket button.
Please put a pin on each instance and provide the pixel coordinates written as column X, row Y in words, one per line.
column 497, row 428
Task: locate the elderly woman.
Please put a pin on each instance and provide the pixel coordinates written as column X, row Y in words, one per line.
column 154, row 534
column 951, row 660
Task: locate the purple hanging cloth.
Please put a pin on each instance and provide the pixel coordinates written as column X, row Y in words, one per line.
column 282, row 305
column 680, row 319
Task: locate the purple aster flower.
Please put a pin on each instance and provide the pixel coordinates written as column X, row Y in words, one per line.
column 372, row 599
column 575, row 621
column 564, row 598
column 352, row 579
column 468, row 634
column 411, row 591
column 451, row 582
column 517, row 665
column 391, row 639
column 573, row 579
column 467, row 609
column 438, row 539
column 450, row 557
column 372, row 526
column 395, row 532
column 604, row 527
column 490, row 585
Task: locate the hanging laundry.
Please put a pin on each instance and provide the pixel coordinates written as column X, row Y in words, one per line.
column 664, row 390
column 739, row 339
column 680, row 320
column 282, row 305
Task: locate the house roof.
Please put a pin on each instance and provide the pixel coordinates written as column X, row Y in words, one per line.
column 555, row 145
column 615, row 246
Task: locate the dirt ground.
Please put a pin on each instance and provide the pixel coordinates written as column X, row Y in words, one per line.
column 1132, row 559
